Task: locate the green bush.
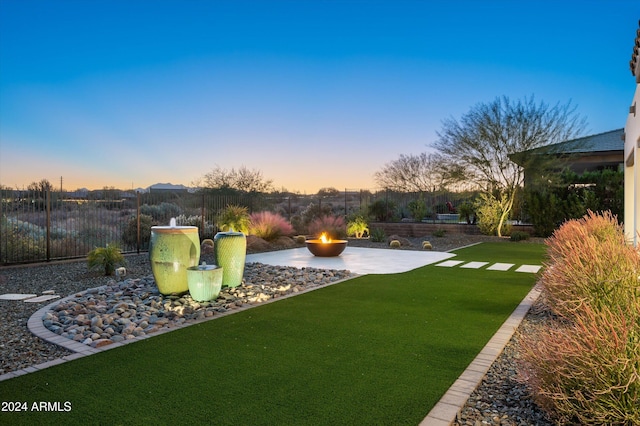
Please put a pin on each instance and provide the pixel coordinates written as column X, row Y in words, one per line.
column 383, row 210
column 583, row 367
column 130, row 233
column 488, row 211
column 519, row 236
column 357, row 226
column 417, row 209
column 440, row 232
column 105, row 258
column 378, row 235
column 21, row 243
column 234, row 218
column 161, row 213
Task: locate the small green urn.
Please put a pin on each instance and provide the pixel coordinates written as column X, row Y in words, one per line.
column 205, row 282
column 172, row 250
column 230, row 253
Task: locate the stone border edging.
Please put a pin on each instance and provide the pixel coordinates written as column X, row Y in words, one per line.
column 445, row 412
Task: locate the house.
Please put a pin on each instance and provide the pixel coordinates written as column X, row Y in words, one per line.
column 586, row 154
column 631, row 157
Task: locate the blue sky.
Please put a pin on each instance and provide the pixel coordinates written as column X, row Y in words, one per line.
column 313, row 94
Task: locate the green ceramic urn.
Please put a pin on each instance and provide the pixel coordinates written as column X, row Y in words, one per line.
column 230, row 252
column 172, row 250
column 205, row 282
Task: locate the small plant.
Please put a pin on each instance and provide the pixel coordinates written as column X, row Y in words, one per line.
column 269, row 226
column 378, row 235
column 426, row 245
column 234, row 218
column 417, row 209
column 105, row 258
column 467, row 212
column 519, row 236
column 439, row 233
column 357, row 226
column 395, row 244
column 300, row 239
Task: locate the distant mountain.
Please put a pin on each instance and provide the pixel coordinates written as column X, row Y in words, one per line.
column 167, row 187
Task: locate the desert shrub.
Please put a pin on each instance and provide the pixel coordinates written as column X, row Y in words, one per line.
column 130, row 233
column 439, row 232
column 584, row 366
column 19, row 242
column 269, row 226
column 105, row 258
column 417, row 209
column 206, row 228
column 394, row 244
column 488, row 211
column 333, row 225
column 378, row 235
column 357, row 226
column 234, row 218
column 519, row 236
column 590, row 264
column 383, row 210
column 162, row 213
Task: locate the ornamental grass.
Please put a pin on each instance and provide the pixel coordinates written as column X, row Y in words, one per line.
column 583, row 366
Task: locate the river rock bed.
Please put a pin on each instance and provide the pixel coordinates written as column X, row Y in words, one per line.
column 134, row 308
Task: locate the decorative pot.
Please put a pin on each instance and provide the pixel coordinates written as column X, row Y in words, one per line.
column 230, row 253
column 172, row 250
column 205, row 282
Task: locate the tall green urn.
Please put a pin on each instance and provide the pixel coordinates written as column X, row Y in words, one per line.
column 172, row 250
column 230, row 252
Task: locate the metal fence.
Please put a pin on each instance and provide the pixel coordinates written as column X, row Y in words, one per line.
column 52, row 225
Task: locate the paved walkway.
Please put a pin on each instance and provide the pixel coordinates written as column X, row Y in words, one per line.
column 360, row 261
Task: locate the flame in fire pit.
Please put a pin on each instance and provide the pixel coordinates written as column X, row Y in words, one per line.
column 324, row 238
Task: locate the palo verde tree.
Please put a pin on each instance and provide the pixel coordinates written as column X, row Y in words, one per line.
column 483, row 140
column 413, row 173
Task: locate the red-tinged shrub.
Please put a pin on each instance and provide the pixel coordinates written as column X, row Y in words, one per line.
column 586, row 371
column 269, row 226
column 583, row 367
column 334, row 226
column 590, row 263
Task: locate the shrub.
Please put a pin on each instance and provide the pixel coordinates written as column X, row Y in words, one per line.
column 488, row 211
column 234, row 218
column 206, row 228
column 426, row 245
column 584, row 366
column 439, row 233
column 162, row 212
column 269, row 226
column 378, row 235
column 357, row 226
column 21, row 243
column 105, row 258
column 333, row 225
column 300, row 239
column 417, row 209
column 383, row 210
column 519, row 236
column 130, row 233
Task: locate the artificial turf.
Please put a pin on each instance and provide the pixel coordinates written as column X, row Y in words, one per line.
column 377, row 349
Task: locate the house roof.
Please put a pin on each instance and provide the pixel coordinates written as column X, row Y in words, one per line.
column 635, row 56
column 612, row 140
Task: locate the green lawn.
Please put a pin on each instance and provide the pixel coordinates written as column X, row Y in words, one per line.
column 377, row 349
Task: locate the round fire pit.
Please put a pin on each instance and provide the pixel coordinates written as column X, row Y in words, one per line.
column 326, row 249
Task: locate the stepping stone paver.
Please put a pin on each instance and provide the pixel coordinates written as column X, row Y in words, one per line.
column 474, row 265
column 532, row 269
column 16, row 296
column 450, row 263
column 500, row 267
column 43, row 298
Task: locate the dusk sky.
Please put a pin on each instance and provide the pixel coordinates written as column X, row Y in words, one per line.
column 313, row 94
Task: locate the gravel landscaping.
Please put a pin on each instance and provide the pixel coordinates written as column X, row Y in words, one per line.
column 499, row 400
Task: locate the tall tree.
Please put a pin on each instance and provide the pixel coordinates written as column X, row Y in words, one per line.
column 241, row 180
column 483, row 140
column 414, row 173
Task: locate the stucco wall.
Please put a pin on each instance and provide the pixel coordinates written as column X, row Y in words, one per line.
column 632, row 171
